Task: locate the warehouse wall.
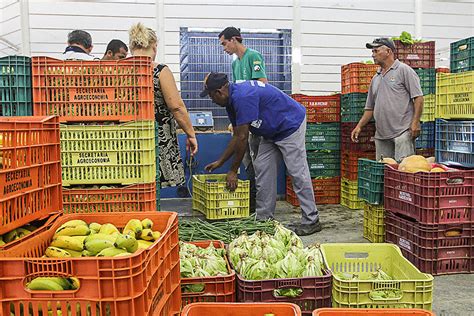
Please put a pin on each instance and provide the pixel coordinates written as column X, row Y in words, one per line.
column 10, row 27
column 330, row 32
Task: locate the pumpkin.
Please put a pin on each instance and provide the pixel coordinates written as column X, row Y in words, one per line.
column 414, row 163
column 437, row 169
column 390, row 161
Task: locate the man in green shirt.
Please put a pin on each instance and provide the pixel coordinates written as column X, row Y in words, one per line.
column 249, row 65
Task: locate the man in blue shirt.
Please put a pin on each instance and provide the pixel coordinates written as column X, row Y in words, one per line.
column 266, row 111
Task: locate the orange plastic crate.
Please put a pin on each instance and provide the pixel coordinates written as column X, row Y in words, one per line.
column 217, row 288
column 371, row 312
column 320, row 108
column 326, row 191
column 104, row 280
column 30, row 170
column 133, row 198
column 241, row 309
column 80, row 91
column 356, row 77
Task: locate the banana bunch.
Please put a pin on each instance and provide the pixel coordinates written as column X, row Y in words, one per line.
column 76, row 238
column 53, row 284
column 16, row 234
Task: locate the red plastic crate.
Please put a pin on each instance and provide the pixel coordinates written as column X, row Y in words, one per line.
column 371, row 312
column 241, row 309
column 167, row 305
column 430, row 247
column 366, row 141
column 102, row 279
column 133, row 198
column 326, row 191
column 430, row 198
column 30, row 170
column 320, row 109
column 350, row 163
column 418, row 55
column 356, row 77
column 80, row 91
column 217, row 288
column 443, row 70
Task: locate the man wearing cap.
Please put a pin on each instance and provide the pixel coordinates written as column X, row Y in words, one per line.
column 266, row 111
column 395, row 100
column 249, row 65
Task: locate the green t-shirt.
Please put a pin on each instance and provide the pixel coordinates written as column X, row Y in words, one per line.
column 250, row 66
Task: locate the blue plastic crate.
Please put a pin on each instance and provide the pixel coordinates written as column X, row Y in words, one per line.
column 455, row 142
column 427, row 136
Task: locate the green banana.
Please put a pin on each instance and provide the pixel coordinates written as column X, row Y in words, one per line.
column 10, row 236
column 126, row 242
column 147, row 234
column 22, row 232
column 74, row 222
column 124, row 254
column 1, row 241
column 86, row 253
column 69, row 242
column 63, row 282
column 79, row 230
column 74, row 283
column 133, row 228
column 147, row 223
column 44, row 284
column 108, row 229
column 156, row 235
column 143, row 244
column 100, row 236
column 74, row 253
column 111, row 252
column 30, row 227
column 54, row 252
column 96, row 246
column 95, row 227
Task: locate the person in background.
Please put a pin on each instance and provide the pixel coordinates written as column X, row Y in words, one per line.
column 79, row 46
column 266, row 111
column 169, row 109
column 249, row 65
column 395, row 99
column 116, row 49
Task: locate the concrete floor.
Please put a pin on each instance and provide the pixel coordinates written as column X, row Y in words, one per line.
column 453, row 294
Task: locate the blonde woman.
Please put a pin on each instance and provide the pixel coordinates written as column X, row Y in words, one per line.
column 169, row 109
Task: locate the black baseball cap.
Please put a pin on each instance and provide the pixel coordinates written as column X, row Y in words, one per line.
column 381, row 41
column 213, row 81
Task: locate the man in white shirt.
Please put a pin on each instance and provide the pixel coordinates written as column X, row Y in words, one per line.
column 79, row 46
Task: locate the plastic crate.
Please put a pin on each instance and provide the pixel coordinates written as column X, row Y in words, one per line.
column 427, row 136
column 326, row 191
column 430, row 197
column 320, row 108
column 427, row 80
column 323, row 136
column 429, row 108
column 133, row 198
column 81, row 91
column 350, row 163
column 366, row 140
column 108, row 154
column 349, row 196
column 462, row 55
column 425, row 152
column 212, row 198
column 370, row 181
column 416, row 287
column 324, row 163
column 417, row 55
column 241, row 309
column 102, row 279
column 356, row 77
column 430, row 247
column 455, row 142
column 15, row 86
column 374, row 227
column 443, row 70
column 30, row 168
column 217, row 288
column 316, row 291
column 371, row 312
column 352, row 107
column 455, row 95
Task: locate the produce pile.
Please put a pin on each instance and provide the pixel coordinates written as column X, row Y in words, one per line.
column 406, row 38
column 76, row 238
column 16, row 234
column 416, row 163
column 201, row 262
column 53, row 284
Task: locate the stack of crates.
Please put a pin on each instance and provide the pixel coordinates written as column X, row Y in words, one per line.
column 323, row 133
column 455, row 107
column 15, row 86
column 107, row 131
column 355, row 81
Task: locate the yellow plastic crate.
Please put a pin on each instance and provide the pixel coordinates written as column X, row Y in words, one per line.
column 416, row 288
column 349, row 196
column 215, row 201
column 108, row 154
column 374, row 223
column 455, row 95
column 429, row 106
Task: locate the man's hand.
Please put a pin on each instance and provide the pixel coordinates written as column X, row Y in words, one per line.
column 232, row 180
column 415, row 129
column 192, row 145
column 355, row 134
column 212, row 166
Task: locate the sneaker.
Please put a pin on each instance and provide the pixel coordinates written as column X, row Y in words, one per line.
column 305, row 230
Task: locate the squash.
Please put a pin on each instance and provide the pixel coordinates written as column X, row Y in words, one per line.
column 390, row 161
column 414, row 163
column 437, row 169
column 430, row 159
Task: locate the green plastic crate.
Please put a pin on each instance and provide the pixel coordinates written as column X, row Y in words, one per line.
column 462, row 55
column 374, row 223
column 15, row 86
column 362, row 259
column 324, row 163
column 352, row 106
column 323, row 136
column 212, row 198
column 427, row 80
column 370, row 181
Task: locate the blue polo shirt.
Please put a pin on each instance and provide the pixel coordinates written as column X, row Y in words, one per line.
column 270, row 112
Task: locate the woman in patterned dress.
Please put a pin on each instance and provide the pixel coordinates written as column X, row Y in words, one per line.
column 169, row 109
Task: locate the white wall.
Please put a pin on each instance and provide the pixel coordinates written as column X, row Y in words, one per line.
column 10, row 27
column 333, row 32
